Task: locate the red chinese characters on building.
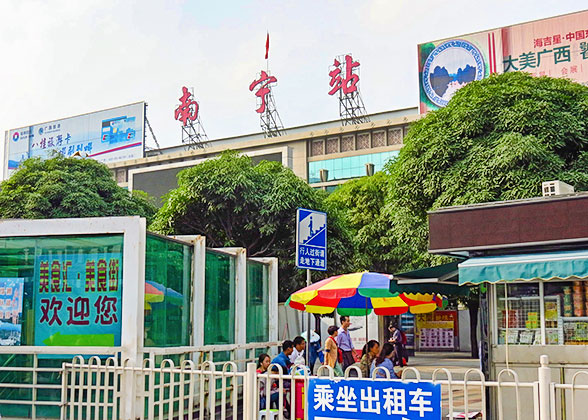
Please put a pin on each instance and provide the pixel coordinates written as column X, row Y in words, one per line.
column 264, row 82
column 188, row 108
column 348, row 84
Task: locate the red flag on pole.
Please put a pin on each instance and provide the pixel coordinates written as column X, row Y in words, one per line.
column 267, row 46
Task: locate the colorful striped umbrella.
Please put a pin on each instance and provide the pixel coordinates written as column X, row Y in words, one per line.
column 358, row 294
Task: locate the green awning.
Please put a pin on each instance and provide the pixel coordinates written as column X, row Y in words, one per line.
column 441, row 279
column 540, row 266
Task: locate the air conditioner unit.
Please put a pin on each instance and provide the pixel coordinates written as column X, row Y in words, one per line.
column 556, row 188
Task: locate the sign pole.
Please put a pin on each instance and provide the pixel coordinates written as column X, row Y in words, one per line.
column 308, row 333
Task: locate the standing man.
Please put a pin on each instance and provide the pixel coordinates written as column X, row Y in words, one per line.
column 345, row 344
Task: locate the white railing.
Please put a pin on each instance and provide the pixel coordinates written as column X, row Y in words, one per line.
column 238, row 353
column 222, row 391
column 104, row 389
column 31, row 383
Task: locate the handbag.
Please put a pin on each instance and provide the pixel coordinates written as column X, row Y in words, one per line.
column 339, row 351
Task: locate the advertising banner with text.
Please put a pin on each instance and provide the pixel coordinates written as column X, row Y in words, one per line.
column 78, row 299
column 111, row 135
column 555, row 47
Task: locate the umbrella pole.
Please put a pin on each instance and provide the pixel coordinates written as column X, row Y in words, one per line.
column 366, row 321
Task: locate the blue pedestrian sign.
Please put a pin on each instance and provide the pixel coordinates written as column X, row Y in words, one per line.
column 373, row 399
column 311, row 239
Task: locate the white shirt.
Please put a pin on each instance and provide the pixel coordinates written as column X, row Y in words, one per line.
column 296, row 354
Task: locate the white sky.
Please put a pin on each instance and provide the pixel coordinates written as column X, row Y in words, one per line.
column 68, row 57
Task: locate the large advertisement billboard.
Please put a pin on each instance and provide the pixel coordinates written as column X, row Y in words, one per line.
column 447, row 65
column 110, row 135
column 555, row 47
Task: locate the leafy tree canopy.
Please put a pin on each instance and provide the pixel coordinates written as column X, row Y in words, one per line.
column 233, row 202
column 361, row 201
column 68, row 187
column 497, row 139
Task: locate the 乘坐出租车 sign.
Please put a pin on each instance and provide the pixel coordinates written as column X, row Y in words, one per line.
column 371, row 399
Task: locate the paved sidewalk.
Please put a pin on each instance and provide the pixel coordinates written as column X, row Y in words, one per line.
column 457, row 363
column 444, row 359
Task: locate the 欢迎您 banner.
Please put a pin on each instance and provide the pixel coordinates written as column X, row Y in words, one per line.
column 111, row 135
column 78, row 299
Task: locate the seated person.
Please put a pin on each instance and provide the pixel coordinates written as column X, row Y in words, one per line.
column 262, row 365
column 298, row 352
column 385, row 360
column 283, row 359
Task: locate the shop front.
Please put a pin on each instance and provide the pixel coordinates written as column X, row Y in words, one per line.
column 533, row 280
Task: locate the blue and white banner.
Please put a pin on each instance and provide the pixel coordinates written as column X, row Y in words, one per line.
column 108, row 136
column 373, row 399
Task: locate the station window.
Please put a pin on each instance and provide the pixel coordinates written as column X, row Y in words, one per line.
column 257, row 302
column 348, row 167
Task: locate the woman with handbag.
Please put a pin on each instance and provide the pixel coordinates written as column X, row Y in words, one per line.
column 332, row 352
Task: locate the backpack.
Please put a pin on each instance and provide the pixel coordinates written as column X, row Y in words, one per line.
column 403, row 339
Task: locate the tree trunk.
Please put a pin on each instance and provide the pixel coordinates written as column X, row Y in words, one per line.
column 473, row 306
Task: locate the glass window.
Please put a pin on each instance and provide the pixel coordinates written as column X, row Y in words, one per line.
column 219, row 301
column 59, row 290
column 519, row 313
column 257, row 302
column 348, row 167
column 52, row 284
column 566, row 311
column 168, row 269
column 565, row 317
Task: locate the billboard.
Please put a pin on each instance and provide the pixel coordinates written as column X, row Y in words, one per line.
column 555, row 47
column 447, row 65
column 108, row 136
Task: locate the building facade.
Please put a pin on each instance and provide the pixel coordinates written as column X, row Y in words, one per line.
column 339, row 152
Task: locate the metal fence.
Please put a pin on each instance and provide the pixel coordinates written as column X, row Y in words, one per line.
column 104, row 390
column 31, row 379
column 32, row 383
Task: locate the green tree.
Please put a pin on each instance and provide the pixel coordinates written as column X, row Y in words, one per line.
column 233, row 202
column 360, row 202
column 68, row 187
column 497, row 139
